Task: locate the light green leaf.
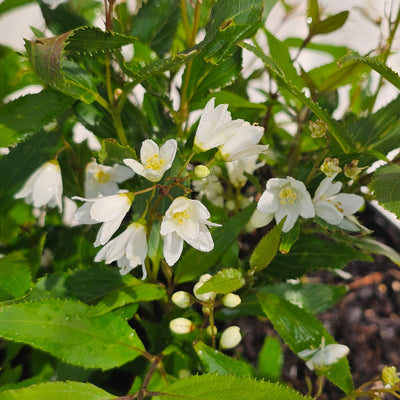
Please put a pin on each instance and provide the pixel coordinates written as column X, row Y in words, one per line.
column 15, row 276
column 315, row 298
column 329, row 24
column 374, row 63
column 113, row 153
column 8, row 5
column 266, row 249
column 217, row 362
column 63, row 329
column 313, row 10
column 223, row 387
column 270, row 359
column 301, row 330
column 225, row 281
column 194, row 263
column 337, row 131
column 57, row 390
column 386, row 187
column 310, row 253
column 30, row 113
column 373, row 246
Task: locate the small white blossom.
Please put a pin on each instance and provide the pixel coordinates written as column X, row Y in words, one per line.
column 231, row 300
column 181, row 298
column 332, row 206
column 213, row 129
column 285, row 197
column 242, row 142
column 237, row 169
column 211, row 188
column 44, row 186
column 103, row 180
column 155, row 160
column 324, row 356
column 230, row 337
column 129, row 249
column 181, row 326
column 109, row 210
column 185, row 220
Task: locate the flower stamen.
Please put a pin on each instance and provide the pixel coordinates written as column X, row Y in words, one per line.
column 154, row 162
column 287, row 195
column 101, row 176
column 181, row 216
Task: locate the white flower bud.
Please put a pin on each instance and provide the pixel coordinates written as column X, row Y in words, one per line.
column 204, row 296
column 184, row 373
column 205, row 310
column 230, row 205
column 211, row 330
column 201, row 171
column 230, row 337
column 181, row 326
column 231, row 300
column 181, row 299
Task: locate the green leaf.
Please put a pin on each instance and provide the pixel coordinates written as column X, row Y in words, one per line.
column 230, row 22
column 315, row 298
column 375, row 247
column 216, row 362
column 223, row 387
column 8, row 5
column 288, row 239
column 310, row 253
column 266, row 249
column 155, row 24
column 63, row 329
column 329, row 24
column 57, row 390
column 337, row 131
column 194, row 263
column 386, row 187
column 113, row 153
column 29, row 113
column 374, row 63
column 270, row 359
column 15, row 276
column 313, row 10
column 301, row 330
column 225, row 281
column 21, row 162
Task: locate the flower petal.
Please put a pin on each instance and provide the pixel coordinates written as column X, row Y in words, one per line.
column 172, row 250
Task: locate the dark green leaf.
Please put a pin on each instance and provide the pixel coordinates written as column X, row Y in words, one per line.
column 301, row 330
column 223, row 387
column 30, row 113
column 386, row 187
column 310, row 253
column 57, row 390
column 266, row 249
column 63, row 329
column 216, row 362
column 270, row 359
column 329, row 24
column 194, row 263
column 225, row 281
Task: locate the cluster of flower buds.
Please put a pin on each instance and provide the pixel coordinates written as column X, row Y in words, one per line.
column 230, row 337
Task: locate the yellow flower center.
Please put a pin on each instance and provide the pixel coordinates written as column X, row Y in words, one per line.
column 154, row 162
column 337, row 204
column 287, row 195
column 102, row 176
column 181, row 216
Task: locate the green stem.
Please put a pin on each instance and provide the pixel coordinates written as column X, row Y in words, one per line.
column 185, row 19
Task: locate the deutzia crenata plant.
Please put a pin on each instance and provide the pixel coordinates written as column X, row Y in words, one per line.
column 220, row 167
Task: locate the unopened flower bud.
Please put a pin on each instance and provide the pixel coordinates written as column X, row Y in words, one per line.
column 205, row 310
column 181, row 326
column 230, row 205
column 230, row 337
column 318, row 128
column 352, row 170
column 184, row 373
column 181, row 299
column 389, row 376
column 201, row 171
column 211, row 331
column 231, row 300
column 204, row 296
column 330, row 166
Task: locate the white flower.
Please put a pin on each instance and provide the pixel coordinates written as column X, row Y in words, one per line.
column 110, row 210
column 230, row 337
column 80, row 134
column 242, row 142
column 231, row 300
column 215, row 126
column 155, row 160
column 181, row 326
column 285, row 197
column 129, row 249
column 181, row 298
column 237, row 169
column 44, row 186
column 332, row 206
column 211, row 188
column 103, row 180
column 324, row 356
column 185, row 220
